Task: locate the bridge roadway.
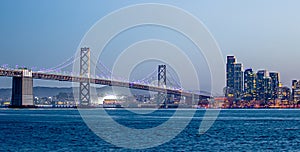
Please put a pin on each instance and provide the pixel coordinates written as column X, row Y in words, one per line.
column 58, row 77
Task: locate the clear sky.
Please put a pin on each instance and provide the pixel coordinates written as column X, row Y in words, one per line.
column 263, row 34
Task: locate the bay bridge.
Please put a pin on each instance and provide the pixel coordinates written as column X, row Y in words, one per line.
column 22, row 83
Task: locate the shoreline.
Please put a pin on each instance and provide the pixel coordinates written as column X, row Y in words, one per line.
column 94, row 108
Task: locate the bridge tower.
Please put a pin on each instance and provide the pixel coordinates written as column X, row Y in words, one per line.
column 162, row 82
column 22, row 94
column 162, row 79
column 85, row 71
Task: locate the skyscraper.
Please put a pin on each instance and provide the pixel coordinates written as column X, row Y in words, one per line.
column 296, row 91
column 261, row 83
column 249, row 84
column 230, row 71
column 274, row 84
column 267, row 88
column 234, row 78
column 238, row 80
column 230, row 76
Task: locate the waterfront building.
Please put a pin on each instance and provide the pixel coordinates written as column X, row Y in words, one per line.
column 261, row 83
column 238, row 80
column 267, row 88
column 274, row 84
column 234, row 78
column 229, row 92
column 284, row 93
column 249, row 84
column 296, row 91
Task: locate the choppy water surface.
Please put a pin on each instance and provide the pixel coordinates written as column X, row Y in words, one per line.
column 234, row 130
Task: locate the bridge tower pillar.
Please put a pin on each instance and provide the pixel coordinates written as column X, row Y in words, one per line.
column 22, row 94
column 162, row 82
column 85, row 71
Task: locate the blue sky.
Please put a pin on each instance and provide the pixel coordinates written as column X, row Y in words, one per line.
column 263, row 34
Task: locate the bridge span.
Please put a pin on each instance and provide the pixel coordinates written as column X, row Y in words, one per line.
column 22, row 94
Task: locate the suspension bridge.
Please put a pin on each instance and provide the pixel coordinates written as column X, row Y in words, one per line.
column 22, row 81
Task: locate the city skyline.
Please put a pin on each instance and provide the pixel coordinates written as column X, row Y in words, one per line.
column 246, row 68
column 257, row 88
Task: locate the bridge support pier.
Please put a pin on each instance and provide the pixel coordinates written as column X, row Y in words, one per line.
column 22, row 92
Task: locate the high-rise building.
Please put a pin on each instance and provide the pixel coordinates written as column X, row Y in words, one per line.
column 230, row 72
column 296, row 91
column 267, row 87
column 229, row 92
column 249, row 84
column 274, row 84
column 238, row 80
column 234, row 78
column 262, row 78
column 284, row 93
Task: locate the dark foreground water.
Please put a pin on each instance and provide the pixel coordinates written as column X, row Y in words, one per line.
column 234, row 130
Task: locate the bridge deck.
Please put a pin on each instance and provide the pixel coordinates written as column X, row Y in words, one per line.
column 58, row 77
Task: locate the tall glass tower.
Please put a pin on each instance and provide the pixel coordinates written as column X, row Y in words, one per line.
column 296, row 91
column 230, row 76
column 262, row 84
column 234, row 78
column 249, row 84
column 238, row 80
column 274, row 84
